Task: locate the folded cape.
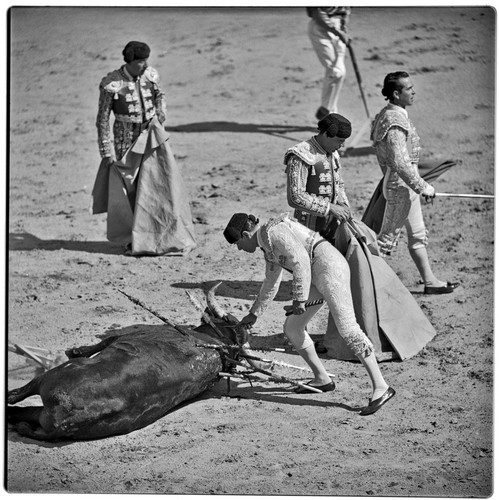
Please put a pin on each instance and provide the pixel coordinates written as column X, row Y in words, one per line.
column 144, row 196
column 429, row 171
column 384, row 308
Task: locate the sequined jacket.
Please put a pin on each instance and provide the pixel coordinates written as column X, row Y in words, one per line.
column 286, row 244
column 133, row 101
column 397, row 146
column 314, row 182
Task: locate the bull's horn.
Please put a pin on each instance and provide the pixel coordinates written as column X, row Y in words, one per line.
column 213, row 303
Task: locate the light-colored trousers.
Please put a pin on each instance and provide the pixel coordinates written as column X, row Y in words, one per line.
column 403, row 209
column 331, row 281
column 331, row 52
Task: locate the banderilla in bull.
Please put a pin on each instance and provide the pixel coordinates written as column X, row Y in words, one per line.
column 272, row 362
column 279, row 378
column 278, row 363
column 273, row 377
column 152, row 311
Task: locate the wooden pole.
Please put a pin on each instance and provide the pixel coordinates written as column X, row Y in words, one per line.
column 359, row 79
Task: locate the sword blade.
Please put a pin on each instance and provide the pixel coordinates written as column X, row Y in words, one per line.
column 463, row 195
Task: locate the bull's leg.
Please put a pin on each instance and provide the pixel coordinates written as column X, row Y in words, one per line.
column 31, row 421
column 30, row 414
column 20, row 393
column 37, row 432
column 89, row 350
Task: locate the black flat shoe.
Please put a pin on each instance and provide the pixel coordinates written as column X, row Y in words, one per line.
column 375, row 405
column 331, row 386
column 438, row 290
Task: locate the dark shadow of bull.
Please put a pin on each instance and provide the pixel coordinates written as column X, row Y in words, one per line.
column 126, row 382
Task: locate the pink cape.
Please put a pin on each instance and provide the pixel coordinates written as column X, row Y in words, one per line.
column 384, row 308
column 145, row 198
column 429, row 171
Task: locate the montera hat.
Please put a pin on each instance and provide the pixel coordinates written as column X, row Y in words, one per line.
column 335, row 125
column 235, row 227
column 136, row 50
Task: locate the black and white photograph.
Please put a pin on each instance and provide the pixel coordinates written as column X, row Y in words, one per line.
column 250, row 250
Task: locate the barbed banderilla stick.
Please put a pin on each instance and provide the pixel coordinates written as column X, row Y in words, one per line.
column 235, row 346
column 312, row 303
column 278, row 378
column 256, row 358
column 158, row 315
column 279, row 363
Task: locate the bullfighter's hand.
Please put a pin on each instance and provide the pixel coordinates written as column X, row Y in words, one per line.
column 340, row 212
column 428, row 193
column 345, row 37
column 298, row 307
column 161, row 118
column 108, row 161
column 249, row 320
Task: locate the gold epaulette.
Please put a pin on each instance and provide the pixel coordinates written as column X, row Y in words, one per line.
column 152, row 74
column 387, row 119
column 306, row 152
column 113, row 82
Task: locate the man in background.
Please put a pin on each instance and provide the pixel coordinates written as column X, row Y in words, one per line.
column 327, row 31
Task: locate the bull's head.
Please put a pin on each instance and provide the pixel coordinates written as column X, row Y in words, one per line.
column 228, row 326
column 218, row 323
column 240, row 332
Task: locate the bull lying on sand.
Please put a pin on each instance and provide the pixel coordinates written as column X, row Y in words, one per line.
column 127, row 382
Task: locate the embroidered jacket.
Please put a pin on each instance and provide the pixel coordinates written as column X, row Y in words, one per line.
column 133, row 102
column 314, row 182
column 286, row 244
column 397, row 146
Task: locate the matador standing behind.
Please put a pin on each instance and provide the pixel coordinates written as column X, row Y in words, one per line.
column 139, row 184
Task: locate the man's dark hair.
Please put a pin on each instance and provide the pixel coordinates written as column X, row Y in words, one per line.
column 238, row 223
column 392, row 83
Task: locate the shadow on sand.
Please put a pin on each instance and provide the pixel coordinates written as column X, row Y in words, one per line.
column 236, row 289
column 26, row 241
column 274, row 130
column 221, row 126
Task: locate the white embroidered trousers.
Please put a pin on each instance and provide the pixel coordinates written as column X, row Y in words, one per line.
column 330, row 281
column 403, row 209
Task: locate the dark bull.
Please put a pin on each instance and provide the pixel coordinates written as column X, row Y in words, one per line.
column 126, row 382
